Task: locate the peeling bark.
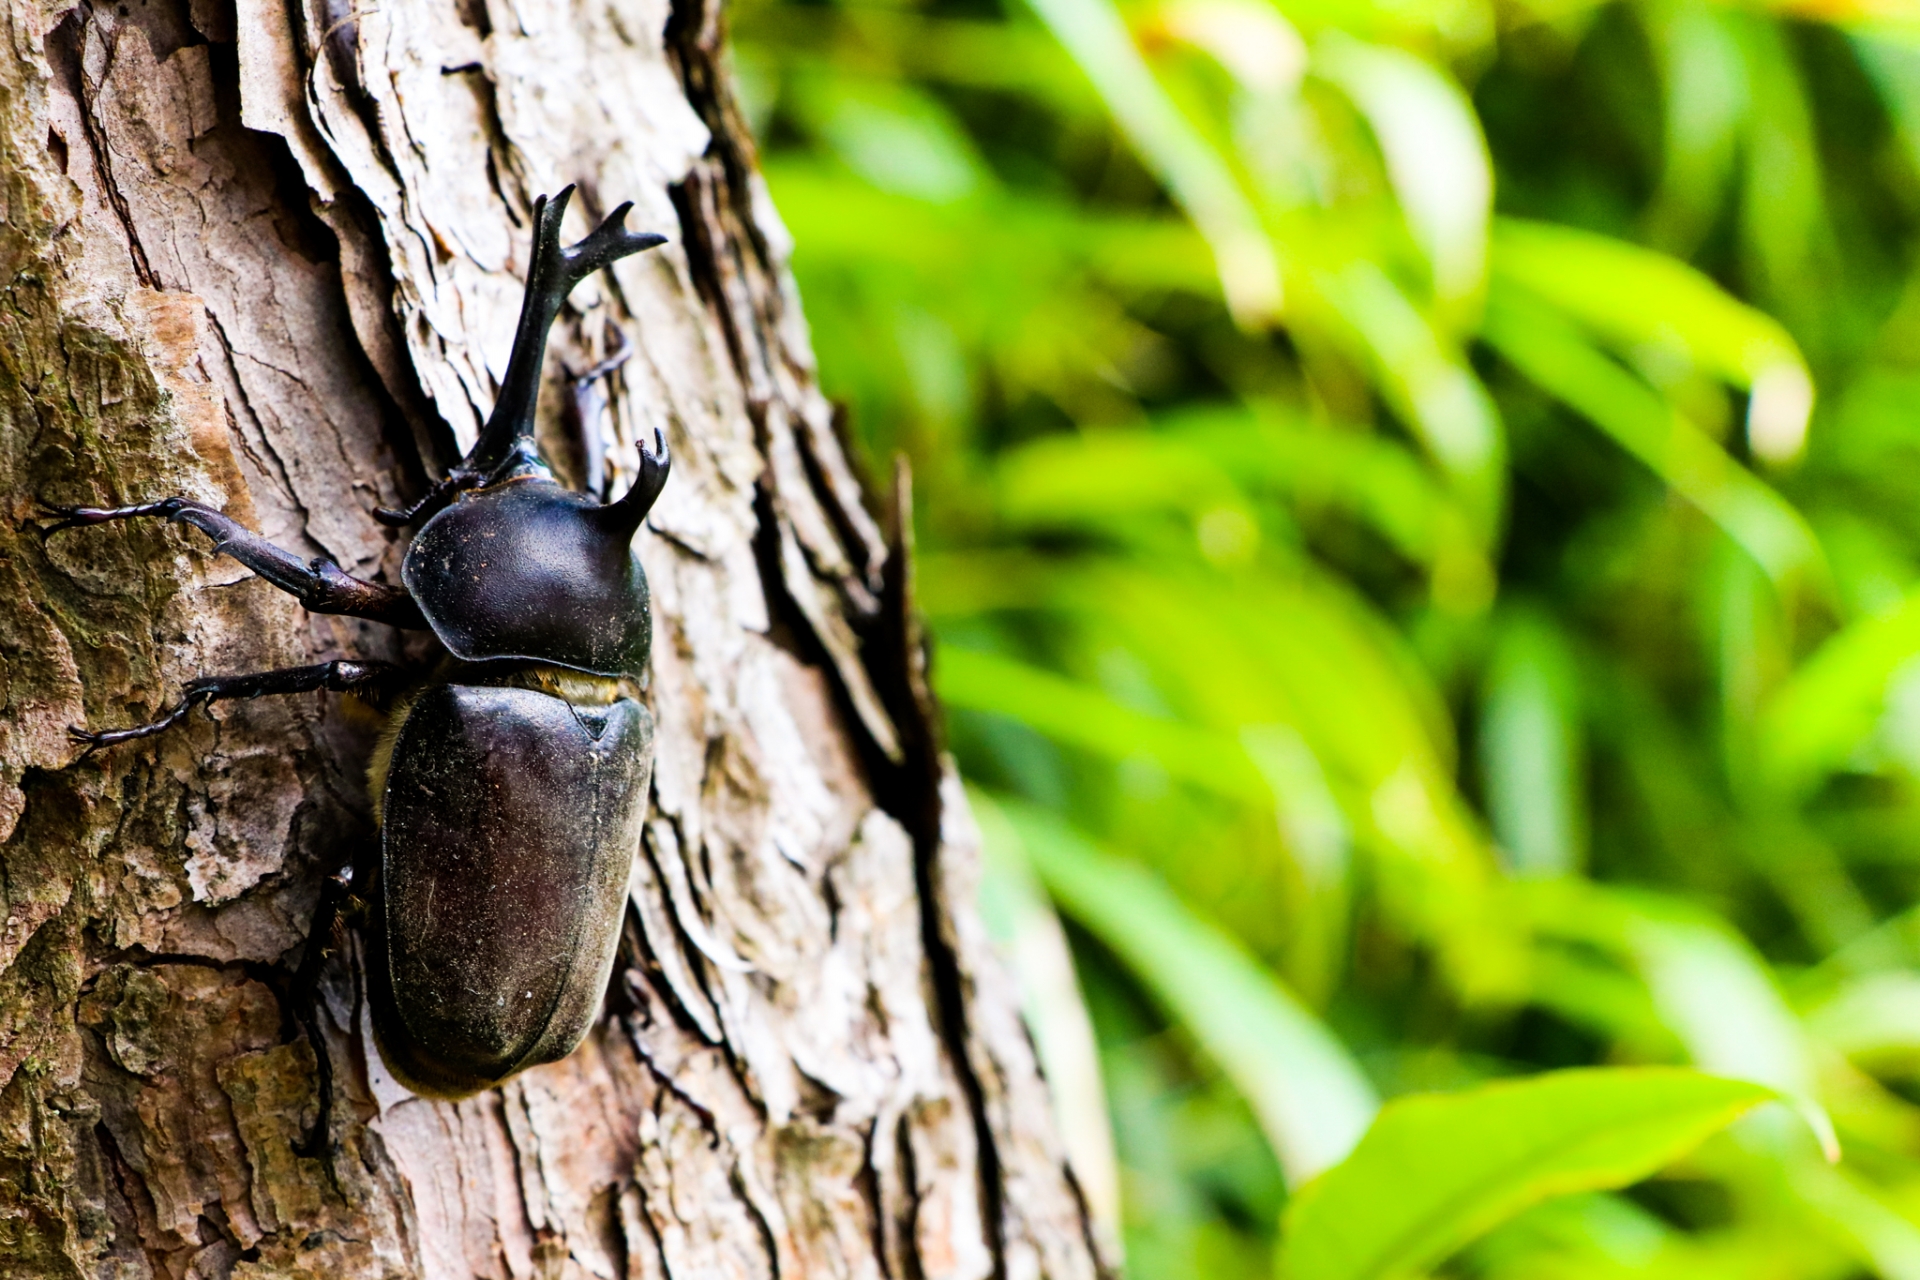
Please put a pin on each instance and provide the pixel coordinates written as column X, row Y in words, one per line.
column 268, row 256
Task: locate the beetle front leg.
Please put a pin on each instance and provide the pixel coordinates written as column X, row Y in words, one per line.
column 320, row 585
column 341, row 675
column 444, row 490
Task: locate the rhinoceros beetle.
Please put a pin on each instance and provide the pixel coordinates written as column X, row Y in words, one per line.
column 510, row 786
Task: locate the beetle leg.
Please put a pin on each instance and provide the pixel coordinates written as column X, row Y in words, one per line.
column 335, row 892
column 586, row 404
column 320, row 585
column 444, row 490
column 342, row 675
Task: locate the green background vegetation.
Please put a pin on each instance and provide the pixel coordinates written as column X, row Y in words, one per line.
column 1419, row 502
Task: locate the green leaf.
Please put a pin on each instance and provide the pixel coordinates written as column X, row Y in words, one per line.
column 1426, row 380
column 1563, row 363
column 1531, row 747
column 1311, row 1098
column 1822, row 713
column 1709, row 986
column 898, row 140
column 1174, row 149
column 1875, row 1017
column 1435, row 155
column 1436, row 1171
column 1638, row 299
column 1083, row 716
column 1204, row 462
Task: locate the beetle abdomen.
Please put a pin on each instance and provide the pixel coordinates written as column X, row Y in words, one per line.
column 511, row 818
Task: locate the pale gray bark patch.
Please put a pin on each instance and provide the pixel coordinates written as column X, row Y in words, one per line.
column 268, row 256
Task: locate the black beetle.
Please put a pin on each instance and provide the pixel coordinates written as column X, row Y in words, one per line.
column 511, row 785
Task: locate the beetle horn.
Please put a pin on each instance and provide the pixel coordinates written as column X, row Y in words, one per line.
column 624, row 516
column 551, row 277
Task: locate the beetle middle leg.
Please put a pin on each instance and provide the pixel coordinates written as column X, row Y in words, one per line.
column 341, row 675
column 320, row 585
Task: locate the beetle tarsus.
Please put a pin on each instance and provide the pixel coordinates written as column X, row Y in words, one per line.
column 443, row 491
column 114, row 737
column 70, row 517
column 341, row 675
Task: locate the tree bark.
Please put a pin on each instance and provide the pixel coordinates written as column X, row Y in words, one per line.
column 267, row 255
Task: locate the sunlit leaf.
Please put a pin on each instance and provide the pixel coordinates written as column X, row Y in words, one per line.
column 1879, row 1235
column 1434, row 153
column 1085, row 717
column 1200, row 180
column 1707, row 985
column 1436, row 1171
column 1638, row 300
column 1251, row 39
column 1201, row 463
column 1312, row 1100
column 1561, row 362
column 1876, row 1017
column 898, row 140
column 1705, row 82
column 1783, row 209
column 1531, row 749
column 1831, row 704
column 1428, row 383
column 1891, row 54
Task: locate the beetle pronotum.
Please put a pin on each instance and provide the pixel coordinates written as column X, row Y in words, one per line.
column 511, row 785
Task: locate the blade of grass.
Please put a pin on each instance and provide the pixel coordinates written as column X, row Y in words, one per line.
column 1561, row 362
column 1312, row 1100
column 1194, row 172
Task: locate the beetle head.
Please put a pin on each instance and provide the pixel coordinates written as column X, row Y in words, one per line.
column 505, row 448
column 520, row 567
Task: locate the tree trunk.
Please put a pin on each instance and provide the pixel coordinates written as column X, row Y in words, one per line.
column 268, row 255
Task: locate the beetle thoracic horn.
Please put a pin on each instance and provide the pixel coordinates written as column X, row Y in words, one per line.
column 551, row 276
column 623, row 518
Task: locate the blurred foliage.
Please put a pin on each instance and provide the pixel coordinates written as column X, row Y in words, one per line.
column 1420, row 506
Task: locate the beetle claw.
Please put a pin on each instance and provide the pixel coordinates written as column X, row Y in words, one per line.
column 63, row 517
column 435, row 497
column 94, row 741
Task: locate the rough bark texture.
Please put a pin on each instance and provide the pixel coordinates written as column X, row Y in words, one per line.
column 266, row 254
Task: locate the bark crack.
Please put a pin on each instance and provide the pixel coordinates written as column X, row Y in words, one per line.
column 67, row 44
column 273, row 465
